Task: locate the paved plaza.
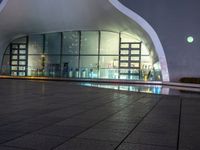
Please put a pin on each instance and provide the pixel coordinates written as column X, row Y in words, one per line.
column 49, row 115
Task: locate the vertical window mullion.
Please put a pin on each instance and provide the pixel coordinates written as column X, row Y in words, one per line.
column 79, row 52
column 61, row 53
column 99, row 44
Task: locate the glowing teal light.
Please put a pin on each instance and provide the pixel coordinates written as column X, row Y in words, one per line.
column 190, row 39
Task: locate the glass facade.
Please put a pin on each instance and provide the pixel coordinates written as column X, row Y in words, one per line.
column 81, row 54
column 89, row 43
column 71, row 43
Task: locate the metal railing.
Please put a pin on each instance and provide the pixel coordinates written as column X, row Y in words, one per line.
column 87, row 73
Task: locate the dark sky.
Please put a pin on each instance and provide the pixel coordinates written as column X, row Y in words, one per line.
column 174, row 21
column 0, row 1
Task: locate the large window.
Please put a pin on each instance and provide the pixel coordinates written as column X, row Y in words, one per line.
column 71, row 43
column 109, row 43
column 35, row 45
column 89, row 42
column 89, row 66
column 35, row 55
column 109, row 67
column 88, row 61
column 70, row 61
column 69, row 66
column 34, row 65
column 53, row 43
column 5, row 68
column 80, row 54
column 51, row 59
column 52, row 65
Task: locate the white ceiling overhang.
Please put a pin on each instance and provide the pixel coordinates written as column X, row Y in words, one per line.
column 24, row 17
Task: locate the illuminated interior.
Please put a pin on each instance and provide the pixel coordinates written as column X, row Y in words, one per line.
column 82, row 54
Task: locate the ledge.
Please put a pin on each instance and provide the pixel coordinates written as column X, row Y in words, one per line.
column 189, row 85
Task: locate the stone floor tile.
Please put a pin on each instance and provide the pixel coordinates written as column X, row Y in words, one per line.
column 114, row 125
column 8, row 135
column 22, row 127
column 152, row 139
column 168, row 128
column 189, row 136
column 37, row 142
column 77, row 122
column 104, row 134
column 44, row 120
column 63, row 131
column 86, row 144
column 50, row 116
column 10, row 148
column 129, row 146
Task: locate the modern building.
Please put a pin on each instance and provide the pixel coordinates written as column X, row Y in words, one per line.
column 110, row 39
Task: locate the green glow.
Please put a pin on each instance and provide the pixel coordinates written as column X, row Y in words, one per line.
column 190, row 39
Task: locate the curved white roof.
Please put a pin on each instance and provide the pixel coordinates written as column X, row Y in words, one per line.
column 24, row 17
column 21, row 17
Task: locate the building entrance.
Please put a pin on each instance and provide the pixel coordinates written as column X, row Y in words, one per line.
column 18, row 59
column 129, row 60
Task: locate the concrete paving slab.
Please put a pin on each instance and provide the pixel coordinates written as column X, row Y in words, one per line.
column 36, row 141
column 129, row 146
column 34, row 115
column 87, row 144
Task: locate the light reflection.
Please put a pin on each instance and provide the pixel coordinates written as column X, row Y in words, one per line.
column 154, row 89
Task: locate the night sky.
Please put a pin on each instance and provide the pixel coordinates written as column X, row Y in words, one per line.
column 174, row 21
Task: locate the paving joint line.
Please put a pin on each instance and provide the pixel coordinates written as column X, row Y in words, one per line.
column 99, row 121
column 52, row 111
column 19, row 148
column 153, row 145
column 179, row 125
column 138, row 124
column 24, row 134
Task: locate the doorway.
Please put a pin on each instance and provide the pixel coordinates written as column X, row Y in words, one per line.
column 130, row 60
column 18, row 59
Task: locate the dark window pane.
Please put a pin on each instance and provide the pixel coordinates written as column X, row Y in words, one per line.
column 35, row 44
column 71, row 61
column 70, row 66
column 71, row 43
column 52, row 43
column 20, row 40
column 7, row 50
column 52, row 65
column 6, row 65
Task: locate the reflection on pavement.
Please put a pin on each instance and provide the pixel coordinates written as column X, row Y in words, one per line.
column 155, row 89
